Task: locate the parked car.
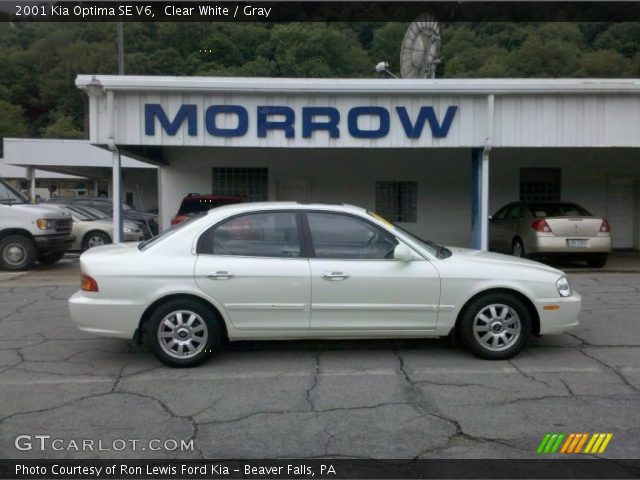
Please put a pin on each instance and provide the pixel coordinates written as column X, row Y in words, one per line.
column 550, row 229
column 285, row 270
column 91, row 230
column 105, row 205
column 30, row 233
column 195, row 204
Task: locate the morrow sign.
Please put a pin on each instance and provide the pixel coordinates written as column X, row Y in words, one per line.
column 283, row 119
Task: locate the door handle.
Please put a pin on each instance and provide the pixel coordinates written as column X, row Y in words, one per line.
column 334, row 276
column 220, row 275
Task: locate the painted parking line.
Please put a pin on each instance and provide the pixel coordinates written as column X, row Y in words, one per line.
column 299, row 374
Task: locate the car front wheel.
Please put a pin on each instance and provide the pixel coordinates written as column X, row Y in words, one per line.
column 17, row 252
column 518, row 248
column 183, row 333
column 496, row 326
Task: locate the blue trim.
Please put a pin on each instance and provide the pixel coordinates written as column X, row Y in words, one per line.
column 476, row 197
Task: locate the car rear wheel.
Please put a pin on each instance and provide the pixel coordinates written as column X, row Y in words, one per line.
column 518, row 248
column 496, row 326
column 17, row 252
column 597, row 261
column 183, row 333
column 50, row 258
column 95, row 239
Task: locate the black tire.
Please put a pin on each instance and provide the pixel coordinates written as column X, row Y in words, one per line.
column 93, row 239
column 597, row 261
column 517, row 249
column 203, row 351
column 476, row 343
column 17, row 252
column 50, row 258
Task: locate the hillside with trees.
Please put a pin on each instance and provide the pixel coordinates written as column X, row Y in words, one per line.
column 39, row 61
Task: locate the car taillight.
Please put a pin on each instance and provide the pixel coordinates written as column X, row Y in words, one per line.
column 178, row 219
column 88, row 284
column 604, row 228
column 541, row 226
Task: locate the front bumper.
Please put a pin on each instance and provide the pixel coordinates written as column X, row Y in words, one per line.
column 107, row 317
column 53, row 243
column 560, row 314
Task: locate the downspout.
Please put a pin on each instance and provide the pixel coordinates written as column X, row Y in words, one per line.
column 484, row 202
column 116, row 175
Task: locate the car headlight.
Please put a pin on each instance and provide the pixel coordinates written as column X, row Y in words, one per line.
column 564, row 287
column 44, row 224
column 128, row 230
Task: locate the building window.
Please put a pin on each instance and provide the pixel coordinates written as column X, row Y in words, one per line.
column 540, row 184
column 252, row 183
column 397, row 201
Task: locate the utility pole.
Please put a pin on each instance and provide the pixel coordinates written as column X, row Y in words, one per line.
column 120, row 48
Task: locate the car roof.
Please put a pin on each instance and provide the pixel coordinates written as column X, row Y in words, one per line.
column 254, row 206
column 190, row 198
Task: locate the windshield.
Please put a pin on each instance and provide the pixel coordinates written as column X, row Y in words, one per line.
column 78, row 214
column 192, row 206
column 434, row 248
column 8, row 194
column 543, row 210
column 95, row 213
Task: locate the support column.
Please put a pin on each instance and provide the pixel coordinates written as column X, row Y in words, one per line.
column 480, row 199
column 95, row 187
column 117, row 196
column 31, row 176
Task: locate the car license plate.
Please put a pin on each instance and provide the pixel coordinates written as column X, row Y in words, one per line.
column 576, row 243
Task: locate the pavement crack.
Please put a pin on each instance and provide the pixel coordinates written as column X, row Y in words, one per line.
column 618, row 373
column 314, row 381
column 528, row 375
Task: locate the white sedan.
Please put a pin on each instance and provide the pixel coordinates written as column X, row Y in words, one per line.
column 308, row 271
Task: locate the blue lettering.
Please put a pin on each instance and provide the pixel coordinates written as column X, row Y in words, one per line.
column 265, row 125
column 426, row 113
column 356, row 112
column 331, row 125
column 186, row 112
column 240, row 112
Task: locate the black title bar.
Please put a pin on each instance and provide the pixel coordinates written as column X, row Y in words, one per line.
column 313, row 11
column 319, row 469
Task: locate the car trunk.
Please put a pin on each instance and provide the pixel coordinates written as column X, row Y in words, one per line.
column 574, row 226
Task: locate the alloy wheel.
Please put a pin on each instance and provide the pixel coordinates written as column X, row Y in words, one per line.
column 497, row 327
column 182, row 334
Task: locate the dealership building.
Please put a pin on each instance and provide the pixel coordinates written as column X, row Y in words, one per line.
column 436, row 156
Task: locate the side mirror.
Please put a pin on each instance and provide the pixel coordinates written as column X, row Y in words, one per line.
column 491, row 218
column 404, row 253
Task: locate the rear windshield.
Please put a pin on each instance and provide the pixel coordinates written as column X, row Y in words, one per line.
column 192, row 206
column 542, row 210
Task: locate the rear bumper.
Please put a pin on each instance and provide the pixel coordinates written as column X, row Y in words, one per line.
column 53, row 243
column 559, row 245
column 107, row 317
column 561, row 313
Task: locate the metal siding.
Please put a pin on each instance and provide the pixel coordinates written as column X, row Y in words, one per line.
column 540, row 120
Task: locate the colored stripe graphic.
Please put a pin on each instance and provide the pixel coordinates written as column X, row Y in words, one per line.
column 573, row 443
column 598, row 442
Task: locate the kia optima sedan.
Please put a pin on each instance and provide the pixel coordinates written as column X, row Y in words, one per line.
column 285, row 270
column 550, row 229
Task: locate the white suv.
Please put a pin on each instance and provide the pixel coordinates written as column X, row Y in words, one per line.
column 30, row 233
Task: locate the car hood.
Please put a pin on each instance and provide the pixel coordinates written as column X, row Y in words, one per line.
column 44, row 211
column 491, row 258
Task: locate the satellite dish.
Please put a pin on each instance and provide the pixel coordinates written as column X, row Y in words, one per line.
column 420, row 48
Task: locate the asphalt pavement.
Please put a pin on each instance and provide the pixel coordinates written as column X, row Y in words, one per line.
column 360, row 399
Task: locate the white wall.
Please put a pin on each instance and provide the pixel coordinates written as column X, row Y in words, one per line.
column 443, row 176
column 349, row 176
